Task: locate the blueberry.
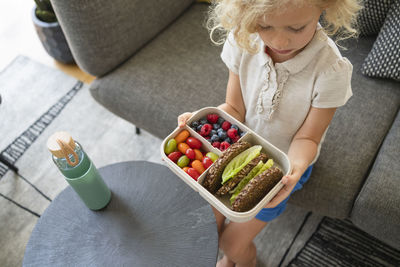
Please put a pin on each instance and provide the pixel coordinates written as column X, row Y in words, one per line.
column 220, row 130
column 220, row 120
column 235, row 127
column 213, row 132
column 199, row 127
column 216, row 126
column 222, row 134
column 195, row 124
column 203, row 121
column 214, row 138
column 228, row 140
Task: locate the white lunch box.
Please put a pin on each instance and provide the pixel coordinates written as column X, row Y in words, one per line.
column 222, row 204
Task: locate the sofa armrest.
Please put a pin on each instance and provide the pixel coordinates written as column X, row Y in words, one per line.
column 102, row 34
column 376, row 209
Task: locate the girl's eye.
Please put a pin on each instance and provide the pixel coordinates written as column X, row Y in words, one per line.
column 264, row 27
column 297, row 30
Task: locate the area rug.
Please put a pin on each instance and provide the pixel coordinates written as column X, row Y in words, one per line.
column 37, row 101
column 340, row 243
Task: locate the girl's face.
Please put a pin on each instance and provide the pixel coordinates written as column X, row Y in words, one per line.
column 286, row 33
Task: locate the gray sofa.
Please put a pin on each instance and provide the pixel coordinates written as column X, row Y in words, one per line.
column 154, row 60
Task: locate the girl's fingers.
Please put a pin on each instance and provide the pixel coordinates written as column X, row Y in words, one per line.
column 182, row 119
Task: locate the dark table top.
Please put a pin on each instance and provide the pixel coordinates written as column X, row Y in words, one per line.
column 153, row 219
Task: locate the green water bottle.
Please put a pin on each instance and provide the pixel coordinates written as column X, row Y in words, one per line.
column 79, row 171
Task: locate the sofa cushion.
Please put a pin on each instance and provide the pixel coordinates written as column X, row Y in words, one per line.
column 372, row 16
column 352, row 141
column 102, row 34
column 384, row 59
column 376, row 209
column 179, row 71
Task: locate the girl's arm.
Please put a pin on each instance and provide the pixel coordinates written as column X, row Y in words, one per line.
column 234, row 104
column 303, row 149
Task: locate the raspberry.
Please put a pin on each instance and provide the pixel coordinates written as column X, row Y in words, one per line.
column 212, row 118
column 206, row 129
column 216, row 144
column 235, row 139
column 226, row 125
column 232, row 133
column 224, row 145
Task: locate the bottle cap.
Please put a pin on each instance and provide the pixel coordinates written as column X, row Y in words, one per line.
column 61, row 145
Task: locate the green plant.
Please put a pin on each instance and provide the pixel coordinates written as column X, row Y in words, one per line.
column 44, row 11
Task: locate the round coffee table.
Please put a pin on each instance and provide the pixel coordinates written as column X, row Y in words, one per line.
column 153, row 219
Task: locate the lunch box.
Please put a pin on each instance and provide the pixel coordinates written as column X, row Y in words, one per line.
column 222, row 204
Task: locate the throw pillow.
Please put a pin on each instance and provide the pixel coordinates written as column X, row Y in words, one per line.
column 372, row 16
column 384, row 58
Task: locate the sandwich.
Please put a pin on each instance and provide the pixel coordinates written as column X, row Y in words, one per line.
column 245, row 173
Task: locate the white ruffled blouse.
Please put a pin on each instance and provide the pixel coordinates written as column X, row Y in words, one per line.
column 278, row 96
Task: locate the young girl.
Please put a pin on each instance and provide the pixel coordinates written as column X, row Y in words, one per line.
column 286, row 79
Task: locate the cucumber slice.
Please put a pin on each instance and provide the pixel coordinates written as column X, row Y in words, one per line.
column 258, row 169
column 241, row 160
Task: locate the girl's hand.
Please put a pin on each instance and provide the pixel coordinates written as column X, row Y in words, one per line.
column 183, row 118
column 289, row 182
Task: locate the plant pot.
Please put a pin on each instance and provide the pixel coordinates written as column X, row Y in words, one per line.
column 53, row 39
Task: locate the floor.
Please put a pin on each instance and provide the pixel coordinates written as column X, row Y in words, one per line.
column 18, row 37
column 276, row 244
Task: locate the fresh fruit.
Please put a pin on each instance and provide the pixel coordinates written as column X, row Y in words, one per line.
column 232, row 133
column 224, row 145
column 194, row 142
column 174, row 156
column 226, row 125
column 214, row 138
column 181, row 137
column 198, row 166
column 234, row 126
column 194, row 125
column 193, row 173
column 235, row 139
column 212, row 156
column 216, row 144
column 170, row 146
column 199, row 155
column 182, row 147
column 212, row 118
column 207, row 162
column 190, row 153
column 222, row 134
column 205, row 129
column 183, row 161
column 185, row 169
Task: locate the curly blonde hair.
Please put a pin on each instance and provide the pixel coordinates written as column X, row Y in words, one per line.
column 240, row 16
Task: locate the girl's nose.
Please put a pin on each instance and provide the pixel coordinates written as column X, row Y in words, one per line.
column 280, row 41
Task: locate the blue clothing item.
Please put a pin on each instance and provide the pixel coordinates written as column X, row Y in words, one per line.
column 269, row 214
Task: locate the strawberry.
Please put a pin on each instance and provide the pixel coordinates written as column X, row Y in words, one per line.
column 226, row 125
column 212, row 118
column 224, row 145
column 216, row 144
column 206, row 129
column 232, row 133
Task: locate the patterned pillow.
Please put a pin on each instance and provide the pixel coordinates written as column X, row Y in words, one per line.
column 372, row 16
column 384, row 58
